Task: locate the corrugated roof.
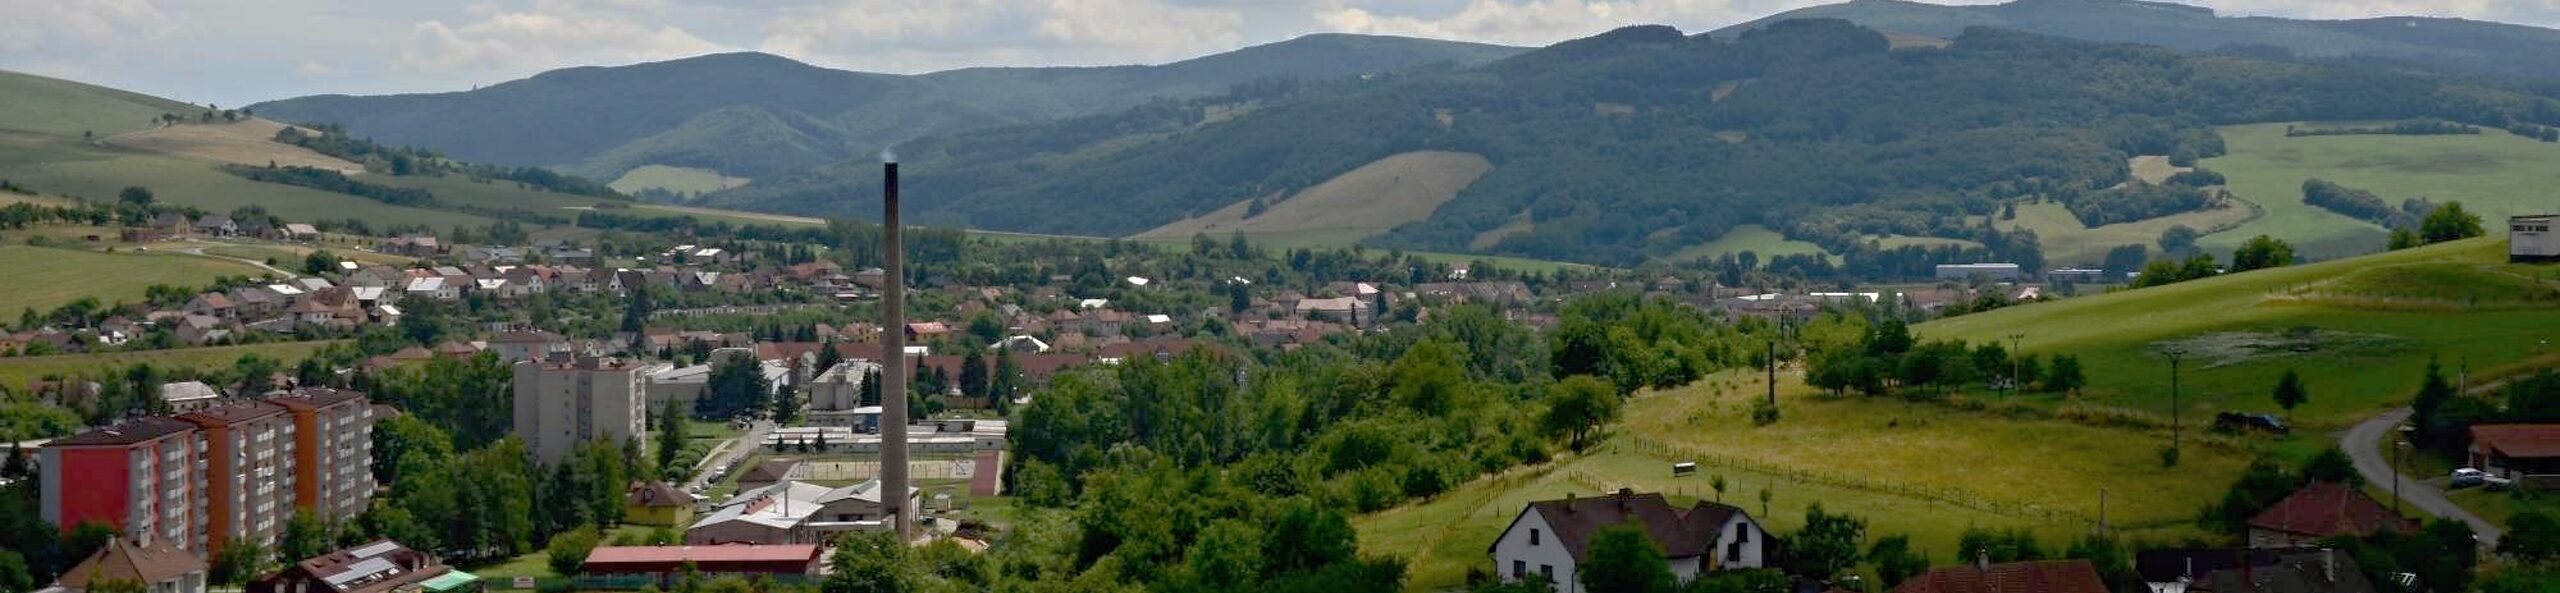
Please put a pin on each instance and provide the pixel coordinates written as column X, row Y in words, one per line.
column 680, row 554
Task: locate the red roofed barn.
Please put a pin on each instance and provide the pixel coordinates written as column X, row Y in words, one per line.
column 2321, row 510
column 2514, row 451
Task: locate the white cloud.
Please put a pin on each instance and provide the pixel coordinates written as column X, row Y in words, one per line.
column 922, row 35
column 548, row 34
column 60, row 28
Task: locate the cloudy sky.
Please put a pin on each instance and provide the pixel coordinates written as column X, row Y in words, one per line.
column 238, row 51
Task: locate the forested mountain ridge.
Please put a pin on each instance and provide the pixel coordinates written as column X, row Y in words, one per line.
column 1631, row 144
column 698, row 112
column 2444, row 44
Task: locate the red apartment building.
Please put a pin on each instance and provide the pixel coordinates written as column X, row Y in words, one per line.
column 201, row 480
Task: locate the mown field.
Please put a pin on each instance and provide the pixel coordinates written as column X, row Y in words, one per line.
column 16, row 372
column 2068, row 242
column 1924, row 470
column 1355, row 205
column 2494, row 174
column 43, row 278
column 683, row 180
column 2361, row 331
column 1750, row 237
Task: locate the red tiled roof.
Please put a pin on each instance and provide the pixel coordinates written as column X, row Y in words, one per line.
column 727, row 553
column 2520, row 441
column 2330, row 508
column 120, row 560
column 2050, row 576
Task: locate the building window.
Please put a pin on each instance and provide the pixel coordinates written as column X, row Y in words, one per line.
column 1533, row 536
column 1519, row 569
column 1547, row 570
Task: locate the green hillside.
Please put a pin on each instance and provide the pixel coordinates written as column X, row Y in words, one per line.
column 755, row 115
column 2362, row 329
column 2440, row 44
column 2494, row 174
column 58, row 165
column 43, row 278
column 1606, row 146
column 64, row 108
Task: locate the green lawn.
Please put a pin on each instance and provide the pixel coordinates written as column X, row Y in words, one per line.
column 18, row 371
column 2494, row 174
column 2366, row 358
column 1924, row 470
column 1750, row 237
column 43, row 278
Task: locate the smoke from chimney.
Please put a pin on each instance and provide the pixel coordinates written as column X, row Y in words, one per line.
column 888, row 156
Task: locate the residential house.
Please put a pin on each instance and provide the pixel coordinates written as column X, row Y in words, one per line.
column 2323, row 510
column 216, row 225
column 172, row 225
column 1983, row 576
column 658, row 503
column 2531, row 238
column 299, row 232
column 419, row 246
column 189, row 396
column 2516, row 451
column 927, row 330
column 1341, row 309
column 159, row 569
column 212, row 304
column 1549, row 539
column 2313, row 570
column 381, row 566
column 433, row 288
column 202, row 330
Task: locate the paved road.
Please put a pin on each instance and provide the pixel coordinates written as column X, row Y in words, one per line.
column 199, row 252
column 2364, row 445
column 728, row 452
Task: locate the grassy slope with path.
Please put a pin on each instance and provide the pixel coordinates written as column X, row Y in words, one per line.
column 2494, row 174
column 1355, row 205
column 2114, row 334
column 43, row 278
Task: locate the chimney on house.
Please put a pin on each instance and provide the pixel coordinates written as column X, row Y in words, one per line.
column 1982, row 560
column 2329, row 565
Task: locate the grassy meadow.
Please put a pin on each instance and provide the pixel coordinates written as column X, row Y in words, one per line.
column 42, row 278
column 683, row 180
column 1750, row 237
column 67, row 109
column 17, row 371
column 2068, row 242
column 64, row 166
column 2494, row 174
column 1925, row 470
column 2458, row 302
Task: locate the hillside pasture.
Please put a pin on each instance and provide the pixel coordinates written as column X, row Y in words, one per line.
column 1754, row 238
column 43, row 278
column 250, row 142
column 1924, row 470
column 1355, row 205
column 2122, row 337
column 96, row 173
column 67, row 109
column 682, row 180
column 2068, row 242
column 2494, row 174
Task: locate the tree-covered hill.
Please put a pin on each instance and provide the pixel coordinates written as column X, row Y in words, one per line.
column 2443, row 44
column 1641, row 141
column 694, row 112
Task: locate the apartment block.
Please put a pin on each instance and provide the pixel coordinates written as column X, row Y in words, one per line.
column 139, row 476
column 212, row 477
column 334, row 438
column 560, row 403
column 247, row 453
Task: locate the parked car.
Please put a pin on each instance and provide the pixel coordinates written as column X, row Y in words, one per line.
column 2469, row 477
column 2238, row 422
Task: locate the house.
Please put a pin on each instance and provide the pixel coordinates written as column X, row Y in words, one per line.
column 2530, row 238
column 212, row 304
column 382, row 566
column 431, row 288
column 791, row 512
column 202, row 329
column 172, row 224
column 520, row 346
column 657, row 503
column 2005, row 272
column 927, row 330
column 2305, row 571
column 768, row 473
column 412, row 246
column 160, row 569
column 2514, row 451
column 216, row 225
column 1343, row 309
column 2044, row 576
column 2322, row 510
column 1550, row 538
column 299, row 232
column 665, row 563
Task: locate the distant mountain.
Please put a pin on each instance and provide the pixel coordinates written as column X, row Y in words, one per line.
column 1634, row 144
column 2435, row 43
column 755, row 115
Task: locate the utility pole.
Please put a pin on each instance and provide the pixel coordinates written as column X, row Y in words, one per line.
column 893, row 355
column 2174, row 355
column 2102, row 512
column 1773, row 373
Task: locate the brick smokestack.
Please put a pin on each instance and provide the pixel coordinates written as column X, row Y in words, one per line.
column 893, row 354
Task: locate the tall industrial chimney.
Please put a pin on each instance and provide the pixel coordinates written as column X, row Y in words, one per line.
column 893, row 352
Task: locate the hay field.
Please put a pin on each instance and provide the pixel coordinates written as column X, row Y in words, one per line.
column 1356, row 205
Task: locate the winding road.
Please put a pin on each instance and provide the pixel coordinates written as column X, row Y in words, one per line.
column 2364, row 445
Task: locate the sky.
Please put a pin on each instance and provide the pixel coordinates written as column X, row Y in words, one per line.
column 231, row 52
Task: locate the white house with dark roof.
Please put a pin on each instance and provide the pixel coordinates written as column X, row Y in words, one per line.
column 1550, row 539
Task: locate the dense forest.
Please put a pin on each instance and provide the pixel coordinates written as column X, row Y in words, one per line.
column 1641, row 141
